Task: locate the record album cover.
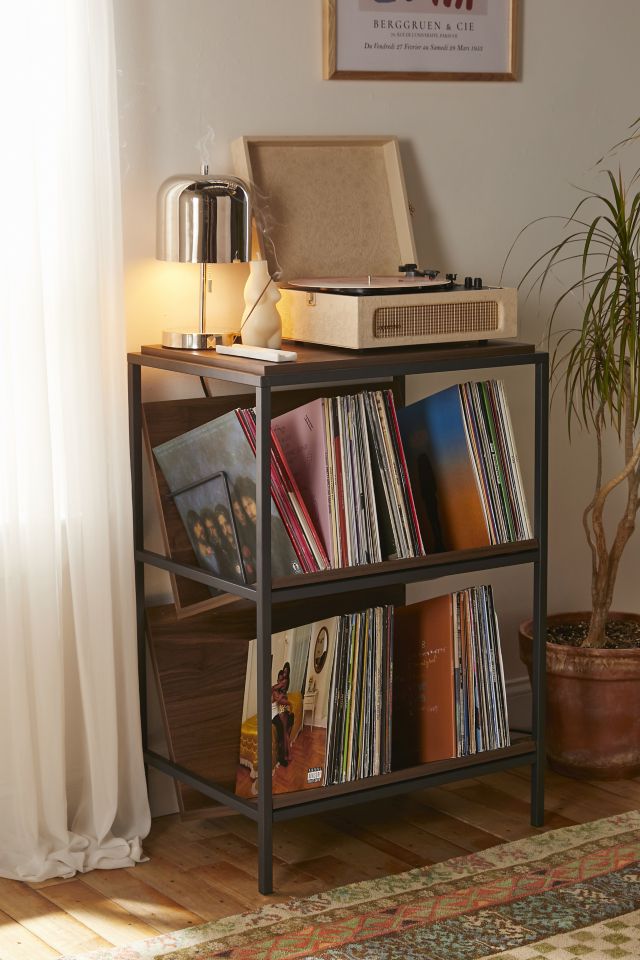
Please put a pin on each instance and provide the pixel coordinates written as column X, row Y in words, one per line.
column 301, row 663
column 443, row 480
column 189, row 462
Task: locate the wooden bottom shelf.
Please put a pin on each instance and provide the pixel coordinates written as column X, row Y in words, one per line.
column 287, row 806
column 405, row 776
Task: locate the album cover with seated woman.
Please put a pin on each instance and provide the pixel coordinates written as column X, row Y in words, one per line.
column 301, row 668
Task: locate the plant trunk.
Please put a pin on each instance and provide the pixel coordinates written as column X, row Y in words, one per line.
column 606, row 570
column 597, row 625
column 605, row 560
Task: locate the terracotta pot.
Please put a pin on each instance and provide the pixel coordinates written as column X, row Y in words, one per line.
column 593, row 705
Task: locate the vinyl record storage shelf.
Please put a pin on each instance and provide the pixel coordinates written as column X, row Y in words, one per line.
column 318, row 366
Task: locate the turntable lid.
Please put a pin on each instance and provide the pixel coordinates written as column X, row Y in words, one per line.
column 328, row 206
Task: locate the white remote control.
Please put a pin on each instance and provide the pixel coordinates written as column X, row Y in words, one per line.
column 257, row 353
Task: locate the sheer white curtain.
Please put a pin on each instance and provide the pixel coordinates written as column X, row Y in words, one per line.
column 72, row 792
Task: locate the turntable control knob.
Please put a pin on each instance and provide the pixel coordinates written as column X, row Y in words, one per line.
column 468, row 283
column 477, row 283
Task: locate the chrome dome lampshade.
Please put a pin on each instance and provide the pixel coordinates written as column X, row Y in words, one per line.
column 202, row 219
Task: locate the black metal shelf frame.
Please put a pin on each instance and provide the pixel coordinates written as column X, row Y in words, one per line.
column 264, row 593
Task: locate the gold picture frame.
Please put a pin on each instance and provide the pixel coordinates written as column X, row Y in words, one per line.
column 408, row 31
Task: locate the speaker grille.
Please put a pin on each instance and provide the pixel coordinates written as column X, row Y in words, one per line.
column 435, row 318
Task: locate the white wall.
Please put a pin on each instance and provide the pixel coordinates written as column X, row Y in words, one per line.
column 481, row 160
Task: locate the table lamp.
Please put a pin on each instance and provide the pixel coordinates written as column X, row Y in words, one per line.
column 202, row 219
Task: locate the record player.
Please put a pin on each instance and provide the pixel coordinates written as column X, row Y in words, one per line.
column 333, row 221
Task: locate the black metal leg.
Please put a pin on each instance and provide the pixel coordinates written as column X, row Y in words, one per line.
column 263, row 619
column 135, row 452
column 540, row 588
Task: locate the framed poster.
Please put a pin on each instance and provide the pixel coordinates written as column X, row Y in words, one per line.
column 419, row 39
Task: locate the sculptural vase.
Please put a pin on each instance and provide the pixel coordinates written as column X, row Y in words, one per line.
column 261, row 321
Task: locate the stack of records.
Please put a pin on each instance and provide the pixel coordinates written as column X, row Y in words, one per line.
column 360, row 701
column 210, row 472
column 347, row 457
column 386, row 688
column 490, row 436
column 448, row 684
column 399, row 529
column 480, row 697
column 464, row 468
column 289, row 502
column 330, row 703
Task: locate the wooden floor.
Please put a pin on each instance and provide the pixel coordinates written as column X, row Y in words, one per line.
column 205, row 869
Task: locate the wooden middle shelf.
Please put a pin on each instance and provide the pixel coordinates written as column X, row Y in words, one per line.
column 390, row 572
column 365, row 576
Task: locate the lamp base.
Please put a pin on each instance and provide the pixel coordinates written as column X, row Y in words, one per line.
column 191, row 340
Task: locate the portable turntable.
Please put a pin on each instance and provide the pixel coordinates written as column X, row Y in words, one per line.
column 334, row 224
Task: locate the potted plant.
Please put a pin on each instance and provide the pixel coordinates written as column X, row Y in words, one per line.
column 593, row 658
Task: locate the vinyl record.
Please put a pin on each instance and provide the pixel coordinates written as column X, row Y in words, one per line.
column 363, row 286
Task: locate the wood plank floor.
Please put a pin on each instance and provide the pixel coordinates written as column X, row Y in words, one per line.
column 201, row 870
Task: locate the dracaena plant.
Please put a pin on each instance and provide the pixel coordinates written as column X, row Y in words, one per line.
column 597, row 363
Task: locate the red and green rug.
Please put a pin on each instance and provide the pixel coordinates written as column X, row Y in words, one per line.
column 567, row 894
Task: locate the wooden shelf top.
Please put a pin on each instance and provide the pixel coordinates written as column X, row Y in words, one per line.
column 324, row 364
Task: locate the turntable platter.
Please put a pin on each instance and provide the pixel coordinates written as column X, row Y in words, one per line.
column 361, row 286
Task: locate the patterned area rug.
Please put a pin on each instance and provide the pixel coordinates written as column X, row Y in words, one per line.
column 567, row 894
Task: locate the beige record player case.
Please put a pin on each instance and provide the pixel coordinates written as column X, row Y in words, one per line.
column 337, row 207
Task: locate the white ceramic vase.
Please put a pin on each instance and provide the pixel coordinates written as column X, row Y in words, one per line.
column 261, row 324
